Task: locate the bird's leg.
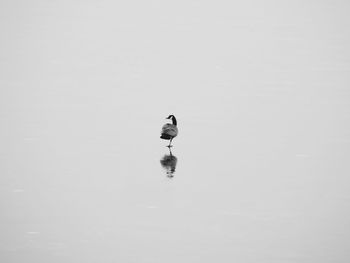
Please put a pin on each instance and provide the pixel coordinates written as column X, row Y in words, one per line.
column 170, row 142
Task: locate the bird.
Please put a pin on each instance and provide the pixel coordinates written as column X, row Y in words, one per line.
column 169, row 131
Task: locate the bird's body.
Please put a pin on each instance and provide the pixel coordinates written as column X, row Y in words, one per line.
column 169, row 131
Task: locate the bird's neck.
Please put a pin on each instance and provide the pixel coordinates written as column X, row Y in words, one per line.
column 174, row 121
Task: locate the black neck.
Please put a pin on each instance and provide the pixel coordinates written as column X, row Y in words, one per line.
column 174, row 120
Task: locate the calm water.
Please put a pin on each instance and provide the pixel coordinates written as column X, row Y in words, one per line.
column 258, row 173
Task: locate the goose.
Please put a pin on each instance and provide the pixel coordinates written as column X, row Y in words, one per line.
column 169, row 131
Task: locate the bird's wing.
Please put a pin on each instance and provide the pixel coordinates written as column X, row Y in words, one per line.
column 169, row 129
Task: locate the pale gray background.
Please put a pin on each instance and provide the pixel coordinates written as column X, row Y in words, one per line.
column 261, row 93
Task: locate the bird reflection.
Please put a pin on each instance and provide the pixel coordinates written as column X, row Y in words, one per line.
column 168, row 162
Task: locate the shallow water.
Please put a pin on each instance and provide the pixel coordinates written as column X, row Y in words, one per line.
column 258, row 173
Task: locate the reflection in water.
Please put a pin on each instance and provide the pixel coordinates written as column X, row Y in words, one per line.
column 169, row 164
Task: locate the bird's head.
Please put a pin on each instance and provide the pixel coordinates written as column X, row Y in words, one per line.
column 170, row 117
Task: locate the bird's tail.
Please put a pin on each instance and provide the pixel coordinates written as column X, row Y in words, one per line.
column 165, row 136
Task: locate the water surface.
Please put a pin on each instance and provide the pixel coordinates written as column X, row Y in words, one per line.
column 258, row 173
